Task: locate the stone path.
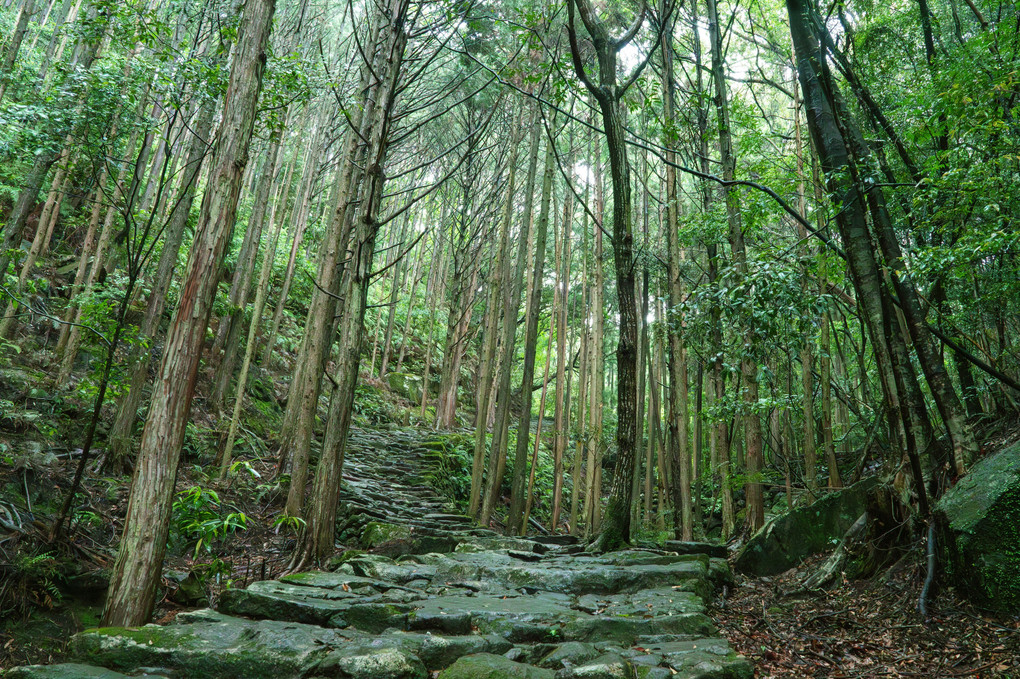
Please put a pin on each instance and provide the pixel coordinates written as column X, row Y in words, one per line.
column 436, row 597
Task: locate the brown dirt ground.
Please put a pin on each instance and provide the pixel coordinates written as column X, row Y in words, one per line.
column 865, row 628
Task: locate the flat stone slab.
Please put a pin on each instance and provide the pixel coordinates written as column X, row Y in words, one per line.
column 488, row 666
column 712, row 549
column 568, row 575
column 72, row 671
column 212, row 645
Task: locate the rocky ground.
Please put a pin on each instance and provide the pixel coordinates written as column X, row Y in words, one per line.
column 430, row 594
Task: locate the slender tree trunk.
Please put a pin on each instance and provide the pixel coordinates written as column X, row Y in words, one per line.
column 228, row 333
column 830, row 144
column 678, row 425
column 14, row 46
column 560, row 301
column 806, row 354
column 303, row 397
column 538, row 432
column 138, row 568
column 582, row 385
column 749, row 370
column 127, row 406
column 596, row 358
column 499, row 282
column 515, row 520
column 511, row 306
column 262, row 291
column 316, row 539
column 608, row 94
column 391, row 313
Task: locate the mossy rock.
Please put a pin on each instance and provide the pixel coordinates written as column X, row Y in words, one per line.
column 489, row 666
column 979, row 532
column 788, row 539
column 377, row 533
column 405, row 385
column 70, row 671
column 214, row 647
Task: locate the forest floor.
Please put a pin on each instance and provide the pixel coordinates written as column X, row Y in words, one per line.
column 865, row 628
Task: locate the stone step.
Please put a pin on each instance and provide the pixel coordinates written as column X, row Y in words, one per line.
column 437, row 595
column 634, row 613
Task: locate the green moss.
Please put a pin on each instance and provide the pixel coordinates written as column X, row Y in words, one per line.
column 150, row 635
column 377, row 533
column 979, row 522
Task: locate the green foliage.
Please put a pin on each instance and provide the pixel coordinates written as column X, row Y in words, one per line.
column 451, row 457
column 292, row 524
column 32, row 581
column 371, row 407
column 197, row 518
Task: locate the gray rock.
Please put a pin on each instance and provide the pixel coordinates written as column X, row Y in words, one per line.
column 712, row 549
column 219, row 646
column 786, row 540
column 70, row 671
column 608, row 666
column 568, row 655
column 489, row 666
column 373, row 662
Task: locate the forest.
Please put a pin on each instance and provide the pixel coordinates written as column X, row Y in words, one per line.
column 320, row 312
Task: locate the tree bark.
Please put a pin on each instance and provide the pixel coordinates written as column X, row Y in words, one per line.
column 678, row 425
column 316, row 538
column 127, row 406
column 515, row 519
column 498, row 283
column 511, row 306
column 138, row 568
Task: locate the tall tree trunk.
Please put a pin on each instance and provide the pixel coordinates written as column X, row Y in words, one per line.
column 609, row 93
column 831, row 146
column 499, row 282
column 678, row 425
column 316, row 538
column 139, row 564
column 755, row 518
column 303, row 397
column 228, row 333
column 806, row 355
column 596, row 361
column 511, row 306
column 515, row 520
column 560, row 302
column 14, row 46
column 127, row 406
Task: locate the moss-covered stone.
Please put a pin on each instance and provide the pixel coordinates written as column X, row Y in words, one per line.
column 786, row 540
column 71, row 671
column 489, row 666
column 405, row 385
column 979, row 531
column 218, row 647
column 377, row 533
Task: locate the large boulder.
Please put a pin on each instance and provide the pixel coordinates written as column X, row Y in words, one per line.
column 979, row 532
column 405, row 385
column 788, row 539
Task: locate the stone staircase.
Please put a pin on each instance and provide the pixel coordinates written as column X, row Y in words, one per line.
column 436, row 596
